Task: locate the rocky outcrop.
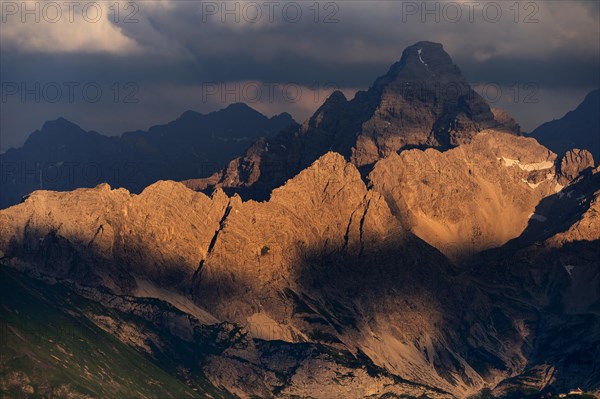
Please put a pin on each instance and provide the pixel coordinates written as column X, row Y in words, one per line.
column 506, row 120
column 109, row 235
column 573, row 163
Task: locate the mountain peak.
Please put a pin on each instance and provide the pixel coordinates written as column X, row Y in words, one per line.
column 337, row 96
column 59, row 124
column 579, row 128
column 423, row 61
column 423, row 101
column 426, row 50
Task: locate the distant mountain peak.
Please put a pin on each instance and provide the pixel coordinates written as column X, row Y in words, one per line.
column 334, row 101
column 579, row 128
column 284, row 117
column 336, row 96
column 239, row 107
column 192, row 145
column 59, row 124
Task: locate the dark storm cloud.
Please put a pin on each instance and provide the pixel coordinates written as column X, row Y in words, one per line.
column 175, row 48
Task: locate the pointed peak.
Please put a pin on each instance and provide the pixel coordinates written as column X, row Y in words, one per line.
column 336, row 96
column 330, row 172
column 327, row 113
column 425, row 62
column 427, row 44
column 331, row 160
column 335, row 99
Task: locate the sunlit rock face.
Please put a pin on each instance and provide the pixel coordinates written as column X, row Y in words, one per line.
column 473, row 197
column 326, row 259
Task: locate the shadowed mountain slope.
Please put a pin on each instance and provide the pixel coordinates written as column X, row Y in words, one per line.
column 579, row 128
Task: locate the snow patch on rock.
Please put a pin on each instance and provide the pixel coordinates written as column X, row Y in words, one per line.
column 527, row 166
column 420, row 58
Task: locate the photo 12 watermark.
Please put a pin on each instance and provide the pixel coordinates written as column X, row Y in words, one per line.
column 265, row 92
column 253, row 12
column 70, row 92
column 52, row 12
column 470, row 11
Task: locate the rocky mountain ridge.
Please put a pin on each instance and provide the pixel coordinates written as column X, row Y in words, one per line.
column 422, row 101
column 310, row 274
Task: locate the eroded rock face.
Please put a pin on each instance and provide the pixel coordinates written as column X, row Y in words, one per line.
column 573, row 163
column 476, row 196
column 422, row 101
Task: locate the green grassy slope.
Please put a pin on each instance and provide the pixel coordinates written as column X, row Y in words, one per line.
column 48, row 348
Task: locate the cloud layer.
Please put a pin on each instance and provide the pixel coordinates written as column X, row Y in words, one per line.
column 169, row 51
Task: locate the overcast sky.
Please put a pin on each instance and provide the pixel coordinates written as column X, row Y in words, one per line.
column 152, row 60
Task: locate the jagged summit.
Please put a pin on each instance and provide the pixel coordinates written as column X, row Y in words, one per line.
column 422, row 101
